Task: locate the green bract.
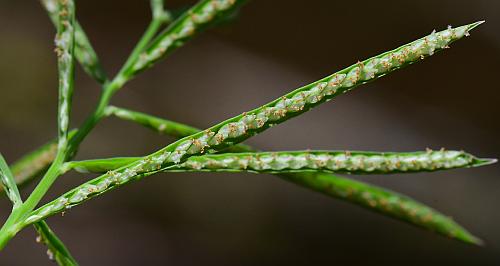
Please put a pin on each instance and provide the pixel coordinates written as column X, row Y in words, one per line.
column 218, row 148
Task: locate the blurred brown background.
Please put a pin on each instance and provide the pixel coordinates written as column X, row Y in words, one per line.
column 450, row 100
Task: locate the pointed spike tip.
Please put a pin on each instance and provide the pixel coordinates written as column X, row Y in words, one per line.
column 466, row 237
column 474, row 240
column 475, row 24
column 479, row 242
column 485, row 161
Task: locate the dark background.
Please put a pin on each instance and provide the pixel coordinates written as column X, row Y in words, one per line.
column 450, row 100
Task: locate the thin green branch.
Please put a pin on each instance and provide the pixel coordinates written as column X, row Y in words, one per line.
column 159, row 125
column 159, row 11
column 98, row 166
column 36, row 162
column 162, row 126
column 159, row 17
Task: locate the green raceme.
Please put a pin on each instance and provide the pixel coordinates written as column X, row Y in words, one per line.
column 184, row 28
column 384, row 201
column 351, row 162
column 65, row 45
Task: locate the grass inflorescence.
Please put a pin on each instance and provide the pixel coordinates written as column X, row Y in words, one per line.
column 217, row 148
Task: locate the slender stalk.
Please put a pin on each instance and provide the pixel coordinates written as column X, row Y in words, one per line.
column 93, row 118
column 36, row 162
column 57, row 249
column 163, row 126
column 159, row 12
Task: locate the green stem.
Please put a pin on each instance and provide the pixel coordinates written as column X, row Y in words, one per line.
column 163, row 126
column 110, row 88
column 92, row 119
column 148, row 35
column 68, row 150
column 11, row 226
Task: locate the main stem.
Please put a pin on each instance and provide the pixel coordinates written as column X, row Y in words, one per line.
column 11, row 226
column 14, row 221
